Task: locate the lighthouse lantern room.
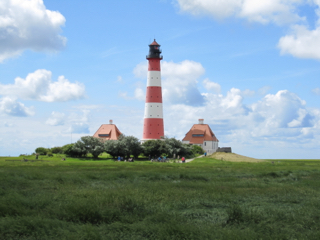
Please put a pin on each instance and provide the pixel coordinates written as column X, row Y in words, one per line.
column 153, row 127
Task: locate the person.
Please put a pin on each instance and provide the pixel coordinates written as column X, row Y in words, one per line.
column 164, row 158
column 159, row 159
column 119, row 158
column 205, row 154
column 183, row 159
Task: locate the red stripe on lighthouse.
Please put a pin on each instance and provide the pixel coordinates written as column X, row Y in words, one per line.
column 154, row 95
column 154, row 64
column 153, row 128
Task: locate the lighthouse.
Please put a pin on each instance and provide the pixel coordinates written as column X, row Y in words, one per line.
column 153, row 127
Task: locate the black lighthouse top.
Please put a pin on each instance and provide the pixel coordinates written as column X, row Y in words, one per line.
column 154, row 50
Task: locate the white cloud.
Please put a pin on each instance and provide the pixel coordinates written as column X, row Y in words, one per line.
column 263, row 90
column 262, row 11
column 29, row 25
column 211, row 86
column 316, row 91
column 233, row 99
column 38, row 86
column 141, row 70
column 139, row 94
column 301, row 43
column 56, row 119
column 10, row 106
column 277, row 121
column 281, row 110
column 80, row 128
column 119, row 79
column 179, row 81
column 79, row 122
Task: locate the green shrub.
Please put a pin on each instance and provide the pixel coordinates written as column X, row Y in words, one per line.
column 41, row 150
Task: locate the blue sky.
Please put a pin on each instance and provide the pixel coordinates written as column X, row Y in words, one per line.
column 249, row 68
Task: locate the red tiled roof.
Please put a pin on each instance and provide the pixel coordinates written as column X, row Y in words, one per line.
column 154, row 43
column 200, row 129
column 109, row 129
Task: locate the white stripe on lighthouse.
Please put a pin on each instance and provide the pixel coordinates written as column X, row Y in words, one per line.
column 154, row 79
column 153, row 110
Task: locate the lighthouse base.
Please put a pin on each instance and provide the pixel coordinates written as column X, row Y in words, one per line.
column 153, row 129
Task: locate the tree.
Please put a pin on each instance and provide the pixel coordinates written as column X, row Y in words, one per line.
column 132, row 146
column 41, row 150
column 125, row 146
column 154, row 148
column 56, row 150
column 67, row 150
column 114, row 148
column 88, row 144
column 197, row 149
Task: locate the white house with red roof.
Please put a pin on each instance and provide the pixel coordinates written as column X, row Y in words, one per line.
column 108, row 132
column 202, row 135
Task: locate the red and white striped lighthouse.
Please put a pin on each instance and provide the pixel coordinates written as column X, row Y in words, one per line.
column 153, row 115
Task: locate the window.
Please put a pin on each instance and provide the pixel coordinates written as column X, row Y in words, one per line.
column 197, row 135
column 103, row 135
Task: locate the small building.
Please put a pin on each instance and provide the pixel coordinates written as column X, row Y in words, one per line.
column 202, row 135
column 108, row 132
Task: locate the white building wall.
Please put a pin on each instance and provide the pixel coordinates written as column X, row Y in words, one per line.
column 210, row 146
column 207, row 146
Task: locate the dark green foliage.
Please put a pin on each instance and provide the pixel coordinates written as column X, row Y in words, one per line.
column 204, row 199
column 125, row 146
column 69, row 151
column 57, row 150
column 88, row 144
column 176, row 148
column 114, row 148
column 49, row 154
column 154, row 148
column 41, row 150
column 197, row 149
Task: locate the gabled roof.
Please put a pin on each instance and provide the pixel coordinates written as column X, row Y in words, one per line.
column 200, row 129
column 108, row 132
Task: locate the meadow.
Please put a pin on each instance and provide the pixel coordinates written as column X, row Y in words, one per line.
column 203, row 199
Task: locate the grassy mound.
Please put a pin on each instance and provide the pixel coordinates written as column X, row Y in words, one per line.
column 233, row 157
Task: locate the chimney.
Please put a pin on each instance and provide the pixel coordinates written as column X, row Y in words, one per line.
column 110, row 122
column 200, row 121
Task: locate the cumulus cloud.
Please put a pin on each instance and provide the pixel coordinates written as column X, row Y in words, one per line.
column 10, row 106
column 301, row 41
column 282, row 117
column 39, row 86
column 179, row 81
column 211, row 86
column 262, row 11
column 56, row 119
column 281, row 110
column 29, row 25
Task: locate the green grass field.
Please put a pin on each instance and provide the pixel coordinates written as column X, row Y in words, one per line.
column 203, row 199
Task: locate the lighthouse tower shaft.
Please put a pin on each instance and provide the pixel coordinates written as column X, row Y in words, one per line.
column 153, row 127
